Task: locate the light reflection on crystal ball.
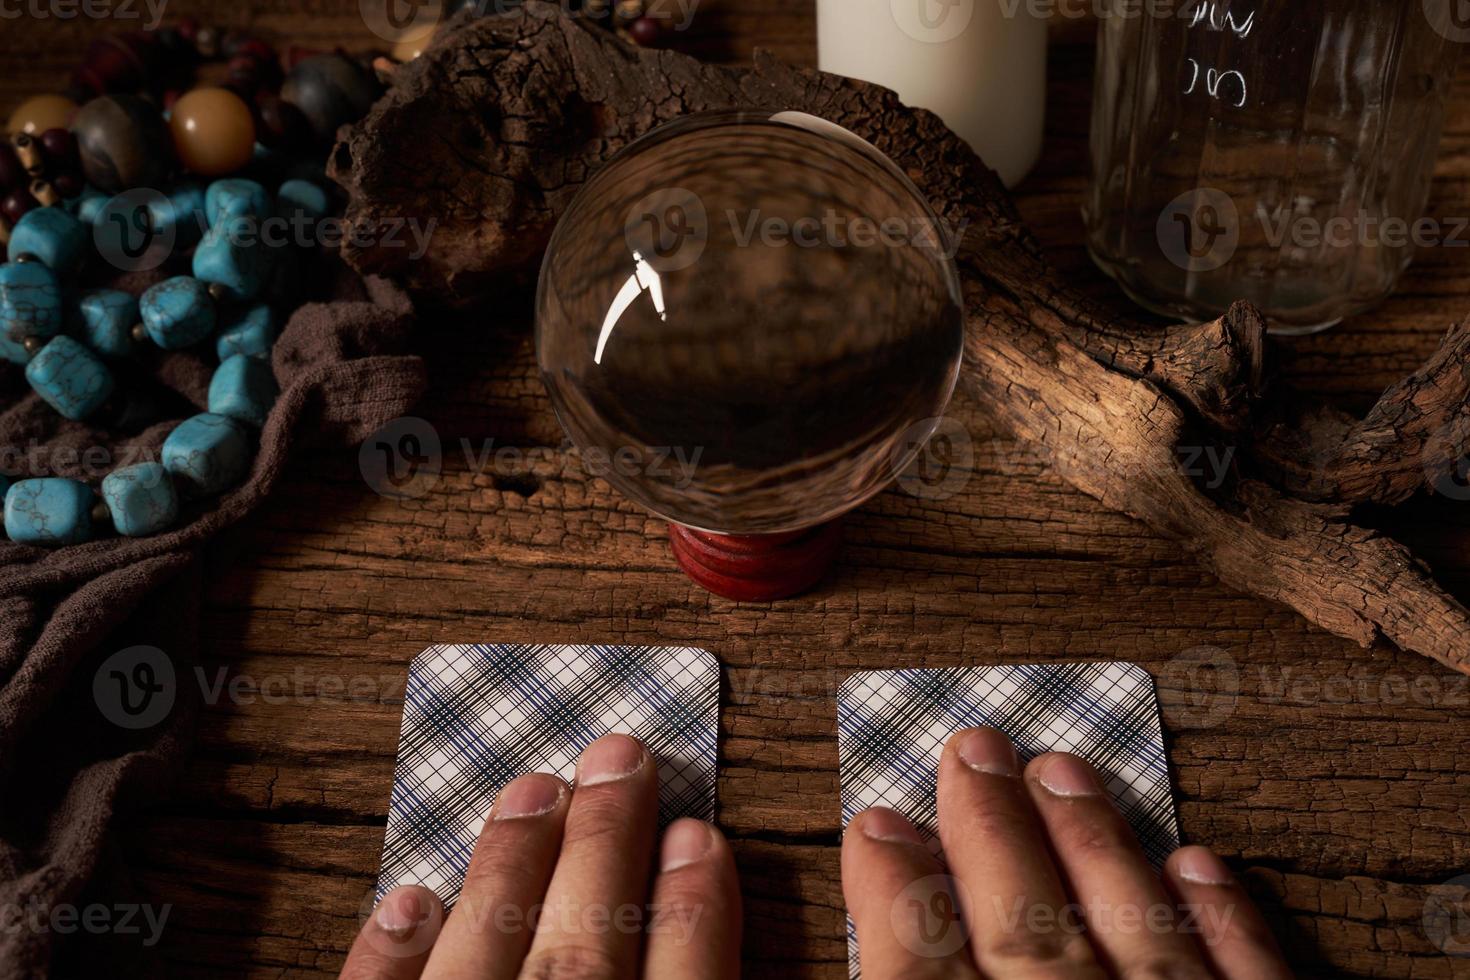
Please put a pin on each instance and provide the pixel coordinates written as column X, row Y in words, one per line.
column 749, row 323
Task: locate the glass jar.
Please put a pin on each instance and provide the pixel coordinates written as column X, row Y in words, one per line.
column 1274, row 152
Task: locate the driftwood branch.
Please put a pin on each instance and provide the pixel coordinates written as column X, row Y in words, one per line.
column 492, row 132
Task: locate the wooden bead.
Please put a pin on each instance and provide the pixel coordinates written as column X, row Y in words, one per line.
column 35, row 116
column 214, row 132
column 12, row 174
column 61, row 151
column 45, row 192
column 28, row 149
column 14, row 205
column 123, row 142
column 330, row 90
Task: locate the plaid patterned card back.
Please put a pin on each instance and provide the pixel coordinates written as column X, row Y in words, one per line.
column 475, row 717
column 892, row 726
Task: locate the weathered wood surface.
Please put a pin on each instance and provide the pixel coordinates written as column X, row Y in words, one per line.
column 1335, row 781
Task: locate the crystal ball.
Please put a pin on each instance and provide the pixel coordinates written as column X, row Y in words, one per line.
column 749, row 323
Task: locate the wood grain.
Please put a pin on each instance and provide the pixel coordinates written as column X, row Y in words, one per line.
column 1334, row 780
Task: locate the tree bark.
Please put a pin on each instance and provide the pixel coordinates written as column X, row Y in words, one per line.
column 492, row 131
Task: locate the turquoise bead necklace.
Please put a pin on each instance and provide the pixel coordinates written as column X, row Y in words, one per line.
column 72, row 370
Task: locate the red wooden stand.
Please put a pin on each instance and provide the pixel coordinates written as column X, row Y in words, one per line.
column 757, row 567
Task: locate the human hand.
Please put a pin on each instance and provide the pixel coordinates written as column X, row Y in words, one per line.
column 1052, row 883
column 562, row 884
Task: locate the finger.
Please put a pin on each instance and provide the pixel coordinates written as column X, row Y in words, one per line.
column 1229, row 927
column 491, row 926
column 901, row 901
column 1016, row 908
column 1130, row 918
column 694, row 931
column 395, row 941
column 592, row 922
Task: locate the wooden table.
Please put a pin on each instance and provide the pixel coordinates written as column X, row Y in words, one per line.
column 1335, row 782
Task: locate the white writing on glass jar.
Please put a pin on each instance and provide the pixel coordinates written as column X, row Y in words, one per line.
column 1225, row 86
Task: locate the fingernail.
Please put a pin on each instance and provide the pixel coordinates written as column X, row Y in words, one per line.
column 685, row 842
column 987, row 750
column 1201, row 866
column 400, row 912
column 883, row 824
column 1067, row 775
column 528, row 796
column 608, row 759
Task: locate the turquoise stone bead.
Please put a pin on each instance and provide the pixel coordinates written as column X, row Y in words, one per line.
column 177, row 312
column 70, row 378
column 89, row 205
column 233, row 256
column 30, row 306
column 108, row 317
column 243, row 388
column 301, row 196
column 181, row 213
column 51, row 235
column 141, row 499
column 206, row 454
column 49, row 511
column 235, row 197
column 251, row 332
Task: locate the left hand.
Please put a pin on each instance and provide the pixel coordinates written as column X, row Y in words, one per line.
column 562, row 884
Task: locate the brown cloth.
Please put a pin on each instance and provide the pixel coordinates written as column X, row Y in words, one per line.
column 66, row 771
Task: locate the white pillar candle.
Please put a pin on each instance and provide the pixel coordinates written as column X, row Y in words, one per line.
column 979, row 64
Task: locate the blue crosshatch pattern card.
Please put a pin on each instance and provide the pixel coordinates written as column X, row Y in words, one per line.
column 892, row 726
column 475, row 717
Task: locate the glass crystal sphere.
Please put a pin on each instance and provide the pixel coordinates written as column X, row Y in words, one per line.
column 749, row 323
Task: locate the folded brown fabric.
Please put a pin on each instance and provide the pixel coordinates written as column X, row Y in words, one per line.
column 345, row 368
